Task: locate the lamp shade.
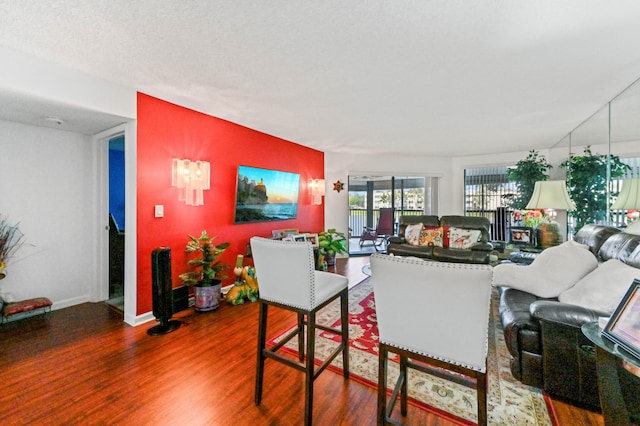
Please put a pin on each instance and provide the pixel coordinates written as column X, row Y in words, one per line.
column 629, row 197
column 550, row 194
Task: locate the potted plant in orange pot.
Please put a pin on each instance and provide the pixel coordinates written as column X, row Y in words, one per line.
column 206, row 276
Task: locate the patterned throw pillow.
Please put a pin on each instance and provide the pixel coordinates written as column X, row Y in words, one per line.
column 431, row 236
column 461, row 238
column 412, row 234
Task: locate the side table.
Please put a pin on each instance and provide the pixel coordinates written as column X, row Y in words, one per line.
column 611, row 362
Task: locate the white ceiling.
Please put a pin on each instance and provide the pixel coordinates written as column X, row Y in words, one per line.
column 436, row 77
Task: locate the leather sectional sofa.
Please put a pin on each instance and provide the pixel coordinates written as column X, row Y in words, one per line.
column 544, row 337
column 461, row 239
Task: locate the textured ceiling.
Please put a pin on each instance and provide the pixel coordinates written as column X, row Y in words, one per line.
column 437, row 77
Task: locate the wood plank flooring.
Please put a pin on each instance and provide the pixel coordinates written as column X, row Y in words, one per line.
column 83, row 365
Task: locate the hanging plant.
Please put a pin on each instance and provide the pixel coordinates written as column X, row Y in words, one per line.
column 587, row 185
column 525, row 175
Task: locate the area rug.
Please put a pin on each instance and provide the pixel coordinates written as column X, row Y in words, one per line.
column 509, row 402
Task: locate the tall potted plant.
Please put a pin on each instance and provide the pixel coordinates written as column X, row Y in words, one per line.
column 587, row 185
column 206, row 275
column 525, row 175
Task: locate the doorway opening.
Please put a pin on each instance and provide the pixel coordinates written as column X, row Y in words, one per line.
column 116, row 222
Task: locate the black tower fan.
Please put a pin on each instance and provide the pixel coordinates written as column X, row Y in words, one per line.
column 162, row 292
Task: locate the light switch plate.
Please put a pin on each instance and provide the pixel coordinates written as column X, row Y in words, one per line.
column 159, row 210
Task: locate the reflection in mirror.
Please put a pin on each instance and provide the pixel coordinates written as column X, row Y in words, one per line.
column 612, row 135
column 625, row 143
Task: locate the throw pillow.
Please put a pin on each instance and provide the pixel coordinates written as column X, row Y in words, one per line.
column 603, row 288
column 412, row 233
column 461, row 238
column 431, row 236
column 552, row 272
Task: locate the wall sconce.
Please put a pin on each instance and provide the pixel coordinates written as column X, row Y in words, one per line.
column 316, row 186
column 191, row 178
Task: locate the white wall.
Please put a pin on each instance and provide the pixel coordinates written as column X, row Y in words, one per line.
column 26, row 74
column 50, row 183
column 46, row 180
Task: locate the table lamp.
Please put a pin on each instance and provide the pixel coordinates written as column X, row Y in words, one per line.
column 629, row 199
column 550, row 195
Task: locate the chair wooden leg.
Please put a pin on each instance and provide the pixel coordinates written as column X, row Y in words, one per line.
column 403, row 388
column 262, row 336
column 382, row 384
column 300, row 336
column 309, row 373
column 344, row 307
column 482, row 399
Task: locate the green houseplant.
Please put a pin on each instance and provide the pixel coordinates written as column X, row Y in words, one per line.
column 207, row 270
column 525, row 175
column 330, row 243
column 587, row 185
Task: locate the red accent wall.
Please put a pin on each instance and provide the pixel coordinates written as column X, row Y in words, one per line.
column 166, row 131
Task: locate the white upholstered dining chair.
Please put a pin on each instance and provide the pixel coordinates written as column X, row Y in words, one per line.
column 287, row 277
column 436, row 313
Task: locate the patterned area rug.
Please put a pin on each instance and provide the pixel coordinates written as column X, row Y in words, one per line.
column 509, row 401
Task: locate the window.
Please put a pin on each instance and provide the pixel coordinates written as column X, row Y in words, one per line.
column 486, row 189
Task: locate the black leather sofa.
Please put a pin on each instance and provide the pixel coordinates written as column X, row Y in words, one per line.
column 478, row 253
column 544, row 337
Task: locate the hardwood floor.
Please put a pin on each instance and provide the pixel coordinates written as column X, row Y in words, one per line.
column 83, row 365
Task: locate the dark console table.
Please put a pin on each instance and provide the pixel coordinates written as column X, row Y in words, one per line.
column 618, row 378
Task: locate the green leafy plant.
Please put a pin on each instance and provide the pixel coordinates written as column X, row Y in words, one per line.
column 587, row 185
column 525, row 175
column 332, row 242
column 207, row 266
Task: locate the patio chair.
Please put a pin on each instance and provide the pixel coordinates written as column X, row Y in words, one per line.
column 382, row 232
column 435, row 316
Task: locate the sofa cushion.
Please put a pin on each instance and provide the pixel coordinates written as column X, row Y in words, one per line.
column 412, row 233
column 552, row 272
column 603, row 288
column 462, row 238
column 431, row 236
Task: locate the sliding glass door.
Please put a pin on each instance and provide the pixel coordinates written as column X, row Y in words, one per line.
column 406, row 195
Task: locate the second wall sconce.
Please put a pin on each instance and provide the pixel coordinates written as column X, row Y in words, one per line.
column 191, row 178
column 316, row 187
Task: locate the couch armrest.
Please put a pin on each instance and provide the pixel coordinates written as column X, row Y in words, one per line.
column 521, row 332
column 397, row 240
column 482, row 247
column 564, row 313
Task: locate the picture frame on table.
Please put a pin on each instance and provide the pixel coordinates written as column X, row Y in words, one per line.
column 290, row 238
column 289, row 232
column 623, row 327
column 313, row 239
column 277, row 234
column 521, row 236
column 300, row 237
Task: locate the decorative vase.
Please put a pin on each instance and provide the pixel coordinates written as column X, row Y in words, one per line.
column 330, row 259
column 207, row 298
